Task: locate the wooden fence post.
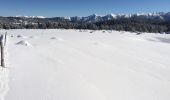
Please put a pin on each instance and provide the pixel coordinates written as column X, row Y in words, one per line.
column 2, row 51
column 5, row 39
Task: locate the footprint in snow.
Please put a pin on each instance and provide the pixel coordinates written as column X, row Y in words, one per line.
column 20, row 36
column 58, row 39
column 31, row 37
column 53, row 38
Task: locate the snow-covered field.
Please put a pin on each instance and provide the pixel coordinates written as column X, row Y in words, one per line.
column 73, row 65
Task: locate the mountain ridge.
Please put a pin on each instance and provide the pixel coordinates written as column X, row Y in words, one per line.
column 141, row 22
column 96, row 17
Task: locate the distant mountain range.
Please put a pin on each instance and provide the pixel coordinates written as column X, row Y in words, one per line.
column 142, row 22
column 98, row 18
column 88, row 19
column 31, row 16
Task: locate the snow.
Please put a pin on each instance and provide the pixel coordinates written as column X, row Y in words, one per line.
column 3, row 83
column 73, row 65
column 4, row 76
column 30, row 16
column 24, row 43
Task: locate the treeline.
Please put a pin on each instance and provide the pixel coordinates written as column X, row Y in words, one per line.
column 135, row 24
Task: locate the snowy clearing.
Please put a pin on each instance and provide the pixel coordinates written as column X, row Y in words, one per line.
column 86, row 65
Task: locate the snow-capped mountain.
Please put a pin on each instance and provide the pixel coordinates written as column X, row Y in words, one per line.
column 30, row 16
column 91, row 18
column 87, row 19
column 98, row 18
column 142, row 22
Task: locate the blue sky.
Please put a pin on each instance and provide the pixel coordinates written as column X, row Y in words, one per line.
column 51, row 8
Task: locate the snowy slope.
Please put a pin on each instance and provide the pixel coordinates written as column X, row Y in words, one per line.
column 73, row 65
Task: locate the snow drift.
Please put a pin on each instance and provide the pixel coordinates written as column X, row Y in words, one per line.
column 24, row 43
